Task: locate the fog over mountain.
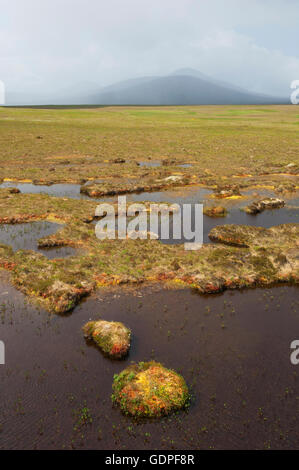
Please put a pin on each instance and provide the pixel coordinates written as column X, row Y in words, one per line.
column 70, row 51
column 182, row 87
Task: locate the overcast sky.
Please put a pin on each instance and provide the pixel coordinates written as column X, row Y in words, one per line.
column 53, row 44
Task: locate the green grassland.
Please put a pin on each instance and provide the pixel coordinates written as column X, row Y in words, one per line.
column 56, row 145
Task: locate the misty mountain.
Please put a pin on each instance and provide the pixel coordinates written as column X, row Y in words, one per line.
column 181, row 88
column 195, row 73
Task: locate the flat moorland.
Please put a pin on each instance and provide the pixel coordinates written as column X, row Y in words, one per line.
column 61, row 145
column 128, row 149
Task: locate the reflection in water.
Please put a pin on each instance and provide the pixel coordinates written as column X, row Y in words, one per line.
column 25, row 237
column 266, row 219
column 186, row 195
column 150, row 163
column 59, row 190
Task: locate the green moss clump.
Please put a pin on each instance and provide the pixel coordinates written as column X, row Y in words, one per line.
column 215, row 211
column 149, row 390
column 113, row 338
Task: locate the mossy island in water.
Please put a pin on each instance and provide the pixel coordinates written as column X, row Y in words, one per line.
column 215, row 211
column 113, row 338
column 148, row 389
column 268, row 203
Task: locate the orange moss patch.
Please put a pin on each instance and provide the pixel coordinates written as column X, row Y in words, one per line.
column 216, row 211
column 21, row 219
column 113, row 338
column 149, row 390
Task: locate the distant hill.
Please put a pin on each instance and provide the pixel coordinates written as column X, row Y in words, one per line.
column 182, row 87
column 177, row 89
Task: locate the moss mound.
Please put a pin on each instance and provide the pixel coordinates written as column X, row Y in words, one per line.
column 228, row 190
column 215, row 211
column 113, row 338
column 148, row 389
column 260, row 206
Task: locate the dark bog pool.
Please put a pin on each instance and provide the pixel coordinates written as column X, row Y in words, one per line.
column 149, row 163
column 233, row 350
column 190, row 195
column 268, row 218
column 59, row 190
column 193, row 195
column 26, row 236
column 73, row 191
column 184, row 195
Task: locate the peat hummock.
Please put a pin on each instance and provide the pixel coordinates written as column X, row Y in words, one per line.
column 242, row 256
column 113, row 338
column 227, row 190
column 268, row 203
column 148, row 389
column 109, row 189
column 215, row 211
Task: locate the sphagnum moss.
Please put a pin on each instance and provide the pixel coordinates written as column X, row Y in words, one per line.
column 148, row 389
column 113, row 338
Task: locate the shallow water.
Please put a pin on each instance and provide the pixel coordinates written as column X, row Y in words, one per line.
column 266, row 219
column 195, row 195
column 150, row 163
column 189, row 195
column 73, row 191
column 59, row 190
column 154, row 164
column 186, row 165
column 98, row 181
column 26, row 236
column 184, row 195
column 233, row 350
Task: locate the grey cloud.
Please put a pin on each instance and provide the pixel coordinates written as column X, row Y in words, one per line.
column 50, row 44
